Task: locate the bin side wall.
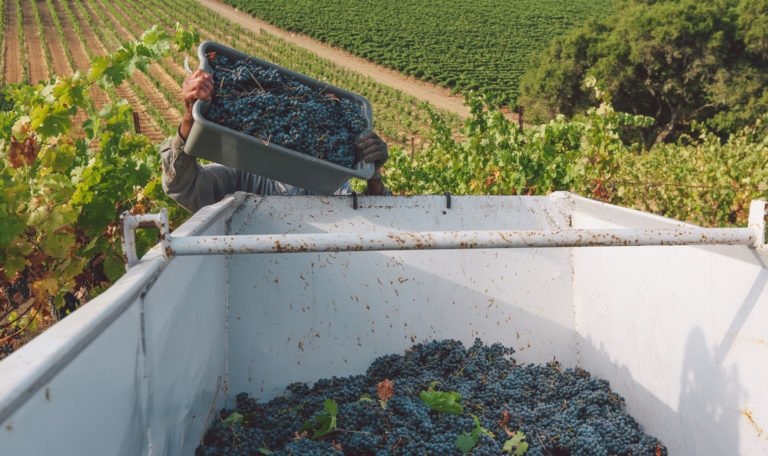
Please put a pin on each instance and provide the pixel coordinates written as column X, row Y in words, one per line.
column 99, row 391
column 306, row 316
column 185, row 326
column 679, row 332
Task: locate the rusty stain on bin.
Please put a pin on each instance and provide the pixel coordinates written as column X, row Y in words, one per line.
column 748, row 413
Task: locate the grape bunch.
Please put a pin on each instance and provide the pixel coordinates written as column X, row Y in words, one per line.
column 563, row 412
column 277, row 109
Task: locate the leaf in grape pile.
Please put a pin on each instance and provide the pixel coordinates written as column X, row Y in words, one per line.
column 327, row 425
column 466, row 441
column 385, row 390
column 233, row 418
column 330, row 407
column 516, row 444
column 442, row 402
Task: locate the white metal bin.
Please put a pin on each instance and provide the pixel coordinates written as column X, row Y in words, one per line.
column 679, row 331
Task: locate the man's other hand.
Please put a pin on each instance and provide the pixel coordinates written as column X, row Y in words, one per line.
column 372, row 149
column 197, row 86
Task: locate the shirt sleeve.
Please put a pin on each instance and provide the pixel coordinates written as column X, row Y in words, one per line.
column 191, row 184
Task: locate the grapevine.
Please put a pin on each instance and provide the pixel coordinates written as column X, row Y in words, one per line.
column 64, row 185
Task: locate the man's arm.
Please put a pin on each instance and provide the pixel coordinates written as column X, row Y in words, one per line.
column 193, row 185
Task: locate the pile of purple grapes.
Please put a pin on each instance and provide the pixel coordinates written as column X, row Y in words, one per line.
column 277, row 109
column 535, row 410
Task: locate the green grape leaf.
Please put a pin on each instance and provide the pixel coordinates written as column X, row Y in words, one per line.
column 59, row 159
column 516, row 444
column 479, row 429
column 156, row 41
column 185, row 39
column 330, row 407
column 327, row 425
column 466, row 441
column 324, row 423
column 71, row 91
column 12, row 265
column 114, row 267
column 58, row 244
column 442, row 401
column 99, row 66
column 233, row 418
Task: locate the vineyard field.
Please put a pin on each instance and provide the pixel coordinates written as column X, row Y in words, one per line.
column 466, row 45
column 42, row 38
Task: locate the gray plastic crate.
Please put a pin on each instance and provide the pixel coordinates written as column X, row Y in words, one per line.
column 223, row 145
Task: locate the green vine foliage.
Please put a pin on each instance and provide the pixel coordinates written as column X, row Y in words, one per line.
column 65, row 182
column 700, row 179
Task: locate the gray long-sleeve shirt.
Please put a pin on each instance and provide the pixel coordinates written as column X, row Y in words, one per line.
column 194, row 185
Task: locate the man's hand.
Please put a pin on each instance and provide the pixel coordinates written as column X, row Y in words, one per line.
column 197, row 86
column 372, row 149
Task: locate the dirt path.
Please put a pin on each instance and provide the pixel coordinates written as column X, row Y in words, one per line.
column 12, row 56
column 437, row 96
column 38, row 67
column 55, row 48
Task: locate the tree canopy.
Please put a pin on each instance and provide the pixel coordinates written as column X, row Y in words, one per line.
column 679, row 61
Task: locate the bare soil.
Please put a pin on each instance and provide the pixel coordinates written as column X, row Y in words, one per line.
column 55, row 48
column 148, row 126
column 156, row 98
column 77, row 48
column 38, row 67
column 12, row 71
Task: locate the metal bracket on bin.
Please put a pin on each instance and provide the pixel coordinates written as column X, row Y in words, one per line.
column 131, row 222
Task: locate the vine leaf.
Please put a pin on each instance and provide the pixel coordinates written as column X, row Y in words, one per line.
column 466, row 441
column 440, row 401
column 516, row 444
column 233, row 418
column 324, row 423
column 385, row 391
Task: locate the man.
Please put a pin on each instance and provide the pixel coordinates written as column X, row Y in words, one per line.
column 193, row 185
